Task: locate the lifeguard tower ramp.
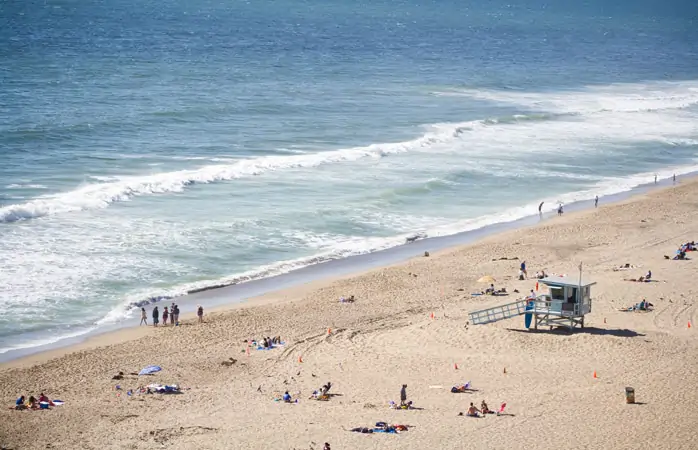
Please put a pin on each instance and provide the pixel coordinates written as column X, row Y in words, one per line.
column 498, row 313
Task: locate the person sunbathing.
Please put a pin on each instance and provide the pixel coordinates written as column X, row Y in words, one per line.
column 473, row 411
column 638, row 280
column 460, row 388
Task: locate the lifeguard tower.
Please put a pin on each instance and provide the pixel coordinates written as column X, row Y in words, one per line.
column 565, row 304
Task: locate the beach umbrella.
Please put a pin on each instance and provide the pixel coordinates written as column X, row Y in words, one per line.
column 487, row 279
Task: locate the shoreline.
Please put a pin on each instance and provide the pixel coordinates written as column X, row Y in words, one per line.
column 223, row 298
column 409, row 325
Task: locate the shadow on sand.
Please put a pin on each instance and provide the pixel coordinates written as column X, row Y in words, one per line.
column 617, row 332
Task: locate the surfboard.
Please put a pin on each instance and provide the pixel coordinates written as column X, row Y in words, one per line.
column 528, row 318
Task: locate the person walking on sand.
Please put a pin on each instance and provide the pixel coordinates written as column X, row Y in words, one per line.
column 596, row 201
column 523, row 269
column 559, row 210
column 156, row 316
column 655, row 178
column 144, row 317
column 200, row 313
column 403, row 395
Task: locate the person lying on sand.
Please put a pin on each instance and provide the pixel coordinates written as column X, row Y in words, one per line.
column 461, row 388
column 644, row 305
column 407, row 405
column 625, row 266
column 680, row 255
column 492, row 291
column 351, row 299
column 637, row 280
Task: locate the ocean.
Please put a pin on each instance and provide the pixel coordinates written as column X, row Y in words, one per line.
column 150, row 148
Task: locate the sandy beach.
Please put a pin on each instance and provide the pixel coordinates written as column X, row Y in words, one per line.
column 387, row 338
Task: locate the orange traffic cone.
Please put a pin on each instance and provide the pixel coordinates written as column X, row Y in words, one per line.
column 595, row 374
column 536, row 286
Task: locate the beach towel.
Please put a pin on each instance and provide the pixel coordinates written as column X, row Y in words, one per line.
column 163, row 388
column 260, row 347
column 150, row 370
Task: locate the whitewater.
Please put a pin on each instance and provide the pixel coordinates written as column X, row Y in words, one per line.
column 147, row 156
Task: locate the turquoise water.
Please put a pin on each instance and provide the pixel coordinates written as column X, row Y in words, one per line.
column 153, row 147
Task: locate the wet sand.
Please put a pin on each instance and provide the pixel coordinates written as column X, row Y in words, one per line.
column 387, row 338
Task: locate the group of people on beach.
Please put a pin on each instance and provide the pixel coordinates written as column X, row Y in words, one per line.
column 32, row 402
column 473, row 411
column 268, row 342
column 172, row 315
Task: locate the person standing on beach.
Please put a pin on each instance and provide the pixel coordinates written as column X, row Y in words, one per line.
column 540, row 210
column 175, row 319
column 523, row 269
column 200, row 313
column 596, row 201
column 172, row 314
column 165, row 316
column 559, row 210
column 403, row 395
column 655, row 178
column 674, row 178
column 144, row 317
column 156, row 316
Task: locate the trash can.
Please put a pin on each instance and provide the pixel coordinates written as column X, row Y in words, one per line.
column 629, row 395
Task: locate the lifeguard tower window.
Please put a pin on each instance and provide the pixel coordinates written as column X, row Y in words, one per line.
column 573, row 296
column 557, row 293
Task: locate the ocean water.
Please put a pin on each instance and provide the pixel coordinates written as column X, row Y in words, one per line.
column 148, row 148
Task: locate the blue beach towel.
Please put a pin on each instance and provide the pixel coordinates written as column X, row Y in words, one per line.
column 270, row 348
column 150, row 370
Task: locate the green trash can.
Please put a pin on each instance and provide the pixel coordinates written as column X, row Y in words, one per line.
column 629, row 395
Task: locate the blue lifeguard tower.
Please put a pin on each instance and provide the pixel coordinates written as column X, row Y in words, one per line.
column 565, row 304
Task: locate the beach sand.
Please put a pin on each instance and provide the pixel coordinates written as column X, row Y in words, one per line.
column 387, row 338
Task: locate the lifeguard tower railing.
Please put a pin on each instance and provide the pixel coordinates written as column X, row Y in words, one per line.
column 498, row 313
column 545, row 305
